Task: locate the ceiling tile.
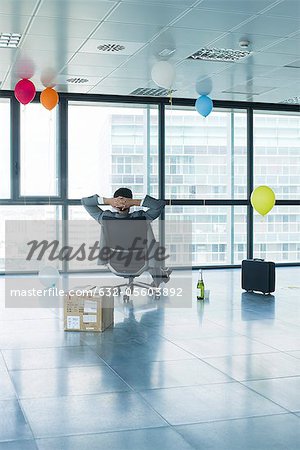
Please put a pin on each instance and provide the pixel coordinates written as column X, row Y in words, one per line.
column 270, row 26
column 177, row 37
column 75, row 9
column 62, row 28
column 92, row 59
column 288, row 8
column 7, row 56
column 249, row 88
column 17, row 7
column 86, row 70
column 41, row 60
column 178, row 3
column 125, row 31
column 79, row 89
column 211, row 20
column 247, row 7
column 231, row 40
column 290, row 46
column 13, row 23
column 286, row 73
column 269, row 59
column 145, row 14
column 32, row 43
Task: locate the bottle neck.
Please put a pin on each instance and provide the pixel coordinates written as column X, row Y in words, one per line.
column 200, row 276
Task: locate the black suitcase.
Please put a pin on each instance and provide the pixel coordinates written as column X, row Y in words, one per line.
column 258, row 275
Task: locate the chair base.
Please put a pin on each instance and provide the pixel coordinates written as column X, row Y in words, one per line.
column 130, row 286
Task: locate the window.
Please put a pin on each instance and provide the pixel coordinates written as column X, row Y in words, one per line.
column 279, row 242
column 208, row 156
column 118, row 146
column 5, row 148
column 277, row 152
column 39, row 162
column 26, row 212
column 219, row 233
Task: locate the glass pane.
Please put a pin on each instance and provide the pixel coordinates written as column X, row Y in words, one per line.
column 117, row 146
column 277, row 236
column 39, row 162
column 219, row 233
column 206, row 158
column 277, row 153
column 26, row 212
column 5, row 148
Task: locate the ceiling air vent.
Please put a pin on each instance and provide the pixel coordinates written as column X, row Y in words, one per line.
column 219, row 54
column 292, row 101
column 9, row 40
column 152, row 92
column 77, row 80
column 111, row 48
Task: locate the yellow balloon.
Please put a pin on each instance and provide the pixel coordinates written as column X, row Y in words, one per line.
column 263, row 199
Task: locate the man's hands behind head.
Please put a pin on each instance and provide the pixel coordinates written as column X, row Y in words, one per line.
column 121, row 203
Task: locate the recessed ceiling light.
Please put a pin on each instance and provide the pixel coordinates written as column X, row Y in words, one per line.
column 153, row 92
column 292, row 101
column 9, row 40
column 219, row 54
column 77, row 80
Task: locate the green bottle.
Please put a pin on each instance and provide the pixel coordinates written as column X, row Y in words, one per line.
column 200, row 286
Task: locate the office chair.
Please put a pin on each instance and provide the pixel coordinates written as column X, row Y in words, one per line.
column 127, row 256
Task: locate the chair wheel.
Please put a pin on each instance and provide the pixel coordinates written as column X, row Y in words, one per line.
column 126, row 298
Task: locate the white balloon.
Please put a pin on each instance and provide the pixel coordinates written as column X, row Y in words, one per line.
column 48, row 276
column 163, row 74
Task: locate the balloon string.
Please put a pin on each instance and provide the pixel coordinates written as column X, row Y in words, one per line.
column 24, row 152
column 170, row 97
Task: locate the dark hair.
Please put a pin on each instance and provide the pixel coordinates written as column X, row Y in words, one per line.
column 123, row 192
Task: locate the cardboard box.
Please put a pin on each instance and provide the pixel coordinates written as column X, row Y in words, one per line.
column 88, row 312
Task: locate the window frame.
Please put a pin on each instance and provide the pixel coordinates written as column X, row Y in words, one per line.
column 62, row 134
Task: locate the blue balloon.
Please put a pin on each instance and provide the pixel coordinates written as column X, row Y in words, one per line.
column 204, row 105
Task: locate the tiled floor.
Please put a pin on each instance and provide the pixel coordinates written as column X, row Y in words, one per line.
column 222, row 375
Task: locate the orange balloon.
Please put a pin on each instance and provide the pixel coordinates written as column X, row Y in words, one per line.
column 49, row 98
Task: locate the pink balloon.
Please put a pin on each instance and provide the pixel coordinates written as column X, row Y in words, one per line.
column 24, row 91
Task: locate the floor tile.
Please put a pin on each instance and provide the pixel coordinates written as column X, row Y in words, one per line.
column 19, row 445
column 39, row 339
column 43, row 325
column 207, row 329
column 61, row 416
column 278, row 432
column 222, row 346
column 13, row 424
column 6, row 387
column 162, row 374
column 152, row 350
column 283, row 342
column 66, row 381
column 49, row 358
column 283, row 391
column 147, row 439
column 257, row 366
column 209, row 402
column 295, row 354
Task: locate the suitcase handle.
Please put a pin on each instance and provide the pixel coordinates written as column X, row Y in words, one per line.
column 258, row 259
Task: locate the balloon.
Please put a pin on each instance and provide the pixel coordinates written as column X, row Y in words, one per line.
column 263, row 199
column 48, row 276
column 204, row 105
column 204, row 87
column 24, row 91
column 163, row 74
column 49, row 98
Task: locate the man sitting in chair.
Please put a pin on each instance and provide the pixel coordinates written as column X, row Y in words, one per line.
column 121, row 203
